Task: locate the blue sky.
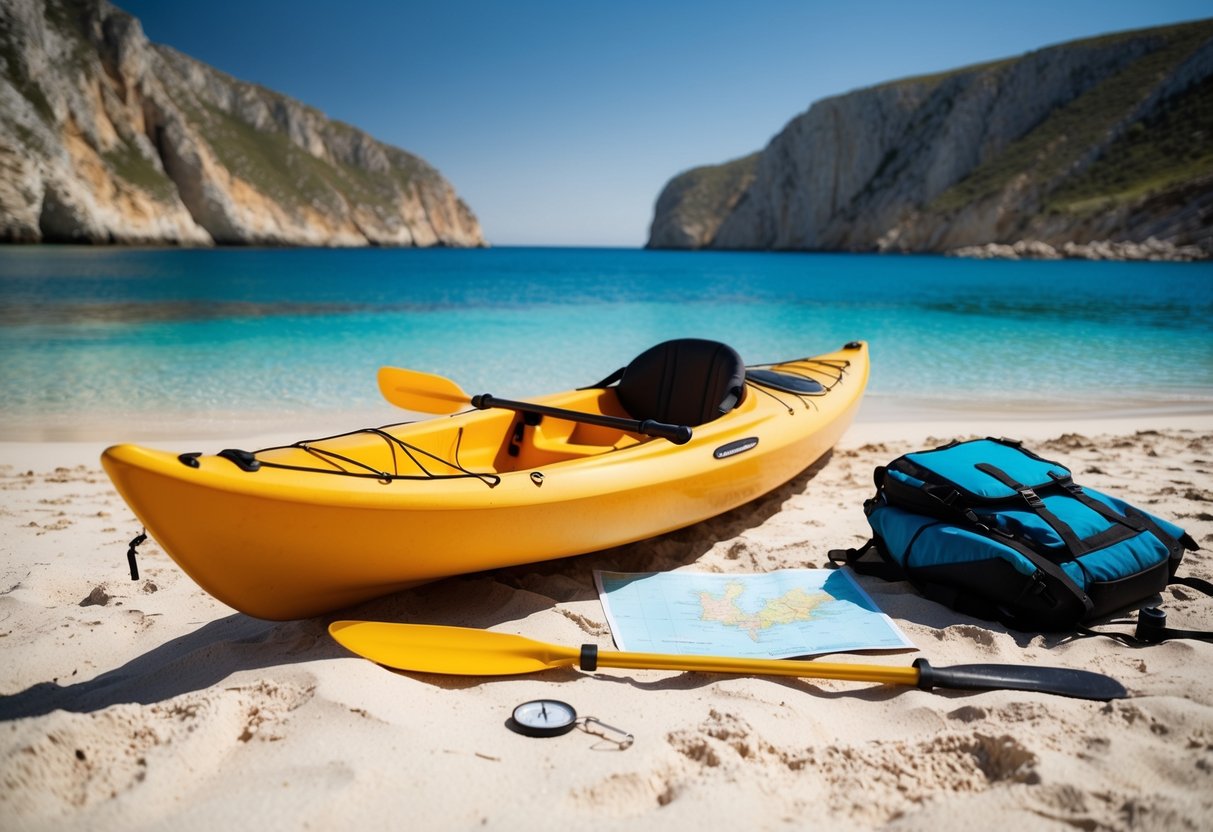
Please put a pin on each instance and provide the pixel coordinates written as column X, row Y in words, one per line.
column 560, row 122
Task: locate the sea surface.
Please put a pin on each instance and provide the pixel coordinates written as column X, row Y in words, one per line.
column 97, row 339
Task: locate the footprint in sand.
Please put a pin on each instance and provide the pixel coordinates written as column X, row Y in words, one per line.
column 68, row 762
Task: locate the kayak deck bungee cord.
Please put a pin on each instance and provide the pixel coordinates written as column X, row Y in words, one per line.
column 683, row 433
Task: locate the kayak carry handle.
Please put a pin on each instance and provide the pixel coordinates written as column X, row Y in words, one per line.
column 678, row 434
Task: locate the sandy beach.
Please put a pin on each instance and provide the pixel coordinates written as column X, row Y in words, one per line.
column 234, row 226
column 149, row 705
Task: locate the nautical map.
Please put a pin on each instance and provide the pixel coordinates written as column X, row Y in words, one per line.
column 770, row 615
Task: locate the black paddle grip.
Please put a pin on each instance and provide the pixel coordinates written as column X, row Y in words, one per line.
column 1081, row 684
column 678, row 434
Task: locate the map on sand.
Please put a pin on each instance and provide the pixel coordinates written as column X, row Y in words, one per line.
column 770, row 615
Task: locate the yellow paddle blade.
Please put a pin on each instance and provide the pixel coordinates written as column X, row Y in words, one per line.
column 434, row 649
column 458, row 650
column 421, row 392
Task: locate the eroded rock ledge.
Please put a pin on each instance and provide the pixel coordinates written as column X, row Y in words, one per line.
column 1151, row 249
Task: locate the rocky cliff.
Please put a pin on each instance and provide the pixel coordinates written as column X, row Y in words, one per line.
column 1103, row 139
column 106, row 137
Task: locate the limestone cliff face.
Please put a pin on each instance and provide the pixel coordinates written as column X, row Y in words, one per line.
column 694, row 204
column 1100, row 139
column 105, row 137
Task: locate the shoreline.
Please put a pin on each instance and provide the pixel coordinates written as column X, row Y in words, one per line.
column 61, row 437
column 1150, row 250
column 149, row 704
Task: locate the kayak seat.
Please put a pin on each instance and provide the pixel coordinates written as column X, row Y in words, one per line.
column 688, row 381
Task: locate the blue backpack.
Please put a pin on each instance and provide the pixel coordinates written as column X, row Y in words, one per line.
column 997, row 532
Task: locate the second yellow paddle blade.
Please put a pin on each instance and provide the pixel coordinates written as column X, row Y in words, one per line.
column 459, row 650
column 421, row 392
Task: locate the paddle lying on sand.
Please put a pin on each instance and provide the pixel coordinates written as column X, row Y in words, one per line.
column 429, row 393
column 468, row 652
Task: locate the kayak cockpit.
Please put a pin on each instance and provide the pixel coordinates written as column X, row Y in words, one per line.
column 543, row 440
column 686, row 383
column 681, row 383
column 471, row 444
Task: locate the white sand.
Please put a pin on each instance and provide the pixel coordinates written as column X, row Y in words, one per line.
column 162, row 708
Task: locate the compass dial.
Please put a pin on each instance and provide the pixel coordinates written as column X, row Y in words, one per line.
column 544, row 718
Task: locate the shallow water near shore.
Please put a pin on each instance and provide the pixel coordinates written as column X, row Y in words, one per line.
column 93, row 337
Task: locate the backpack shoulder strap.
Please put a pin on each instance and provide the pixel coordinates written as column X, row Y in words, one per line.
column 1152, row 628
column 887, row 569
column 1199, row 584
column 1074, row 544
column 884, row 568
column 1046, row 566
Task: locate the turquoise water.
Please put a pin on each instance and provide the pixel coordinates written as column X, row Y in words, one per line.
column 88, row 333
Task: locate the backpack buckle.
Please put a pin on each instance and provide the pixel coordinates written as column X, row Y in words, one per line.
column 1031, row 498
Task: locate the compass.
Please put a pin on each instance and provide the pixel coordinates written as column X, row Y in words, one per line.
column 544, row 718
column 551, row 718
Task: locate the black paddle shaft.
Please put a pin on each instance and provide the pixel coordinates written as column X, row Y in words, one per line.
column 678, row 434
column 1063, row 681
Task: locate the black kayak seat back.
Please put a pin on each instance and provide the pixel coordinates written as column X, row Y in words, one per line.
column 687, row 381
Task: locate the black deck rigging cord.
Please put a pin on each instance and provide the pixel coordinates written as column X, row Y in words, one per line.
column 840, row 366
column 339, row 464
column 394, row 444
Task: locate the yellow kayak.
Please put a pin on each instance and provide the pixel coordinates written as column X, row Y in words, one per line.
column 299, row 530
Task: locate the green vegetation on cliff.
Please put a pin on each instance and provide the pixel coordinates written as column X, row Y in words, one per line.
column 128, row 163
column 18, row 76
column 705, row 195
column 269, row 161
column 1167, row 150
column 294, row 178
column 1060, row 145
